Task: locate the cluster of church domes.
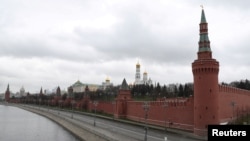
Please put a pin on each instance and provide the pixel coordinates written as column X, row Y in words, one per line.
column 144, row 80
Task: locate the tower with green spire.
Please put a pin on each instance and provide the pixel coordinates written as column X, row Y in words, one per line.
column 7, row 94
column 205, row 74
column 204, row 43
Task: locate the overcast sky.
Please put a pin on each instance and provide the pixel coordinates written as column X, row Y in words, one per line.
column 50, row 43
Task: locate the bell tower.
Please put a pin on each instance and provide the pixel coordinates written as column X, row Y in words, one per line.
column 205, row 75
column 138, row 73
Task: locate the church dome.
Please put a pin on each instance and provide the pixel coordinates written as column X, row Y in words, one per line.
column 138, row 64
column 77, row 83
column 107, row 79
column 22, row 89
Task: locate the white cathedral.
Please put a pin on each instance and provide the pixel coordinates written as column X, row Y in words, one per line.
column 144, row 80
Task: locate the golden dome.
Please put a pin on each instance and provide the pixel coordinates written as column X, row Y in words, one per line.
column 138, row 64
column 107, row 79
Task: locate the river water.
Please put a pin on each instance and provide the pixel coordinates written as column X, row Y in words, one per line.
column 19, row 125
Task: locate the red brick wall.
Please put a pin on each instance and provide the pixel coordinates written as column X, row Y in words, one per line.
column 178, row 113
column 229, row 95
column 106, row 107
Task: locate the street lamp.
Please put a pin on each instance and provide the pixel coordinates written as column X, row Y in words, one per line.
column 233, row 105
column 113, row 103
column 248, row 116
column 72, row 103
column 60, row 106
column 40, row 103
column 146, row 109
column 95, row 104
column 165, row 106
column 48, row 104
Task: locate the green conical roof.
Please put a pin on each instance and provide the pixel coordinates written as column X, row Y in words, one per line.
column 203, row 17
column 204, row 43
column 124, row 85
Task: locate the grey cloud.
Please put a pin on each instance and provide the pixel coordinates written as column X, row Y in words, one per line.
column 133, row 38
column 163, row 35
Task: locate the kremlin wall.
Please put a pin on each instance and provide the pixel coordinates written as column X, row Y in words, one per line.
column 211, row 103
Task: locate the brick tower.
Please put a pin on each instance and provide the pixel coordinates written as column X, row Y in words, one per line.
column 124, row 95
column 7, row 94
column 205, row 71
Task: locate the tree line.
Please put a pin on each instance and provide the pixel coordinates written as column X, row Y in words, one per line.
column 158, row 91
column 242, row 84
column 143, row 91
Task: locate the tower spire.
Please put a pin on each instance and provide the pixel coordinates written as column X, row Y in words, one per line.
column 8, row 88
column 204, row 43
column 7, row 94
column 203, row 17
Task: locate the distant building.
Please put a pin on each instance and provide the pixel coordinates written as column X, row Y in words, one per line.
column 2, row 95
column 22, row 92
column 7, row 94
column 79, row 87
column 58, row 91
column 106, row 84
column 172, row 87
column 144, row 80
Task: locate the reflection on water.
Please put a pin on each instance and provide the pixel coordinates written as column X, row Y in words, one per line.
column 20, row 125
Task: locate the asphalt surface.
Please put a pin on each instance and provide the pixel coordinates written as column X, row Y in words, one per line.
column 97, row 127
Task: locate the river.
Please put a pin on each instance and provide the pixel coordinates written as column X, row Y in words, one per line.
column 19, row 125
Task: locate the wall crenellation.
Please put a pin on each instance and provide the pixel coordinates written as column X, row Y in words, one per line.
column 230, row 89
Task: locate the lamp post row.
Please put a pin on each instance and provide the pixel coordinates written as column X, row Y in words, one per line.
column 146, row 106
column 95, row 104
column 165, row 106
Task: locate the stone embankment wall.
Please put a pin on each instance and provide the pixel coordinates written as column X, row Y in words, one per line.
column 81, row 133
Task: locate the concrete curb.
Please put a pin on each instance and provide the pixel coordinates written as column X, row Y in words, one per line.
column 82, row 131
column 100, row 135
column 76, row 130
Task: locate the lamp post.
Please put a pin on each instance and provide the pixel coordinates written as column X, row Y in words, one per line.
column 40, row 103
column 72, row 104
column 233, row 105
column 90, row 106
column 146, row 109
column 165, row 107
column 60, row 106
column 48, row 104
column 248, row 123
column 95, row 104
column 113, row 103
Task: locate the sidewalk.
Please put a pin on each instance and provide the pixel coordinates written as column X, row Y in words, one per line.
column 172, row 130
column 81, row 130
column 88, row 132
